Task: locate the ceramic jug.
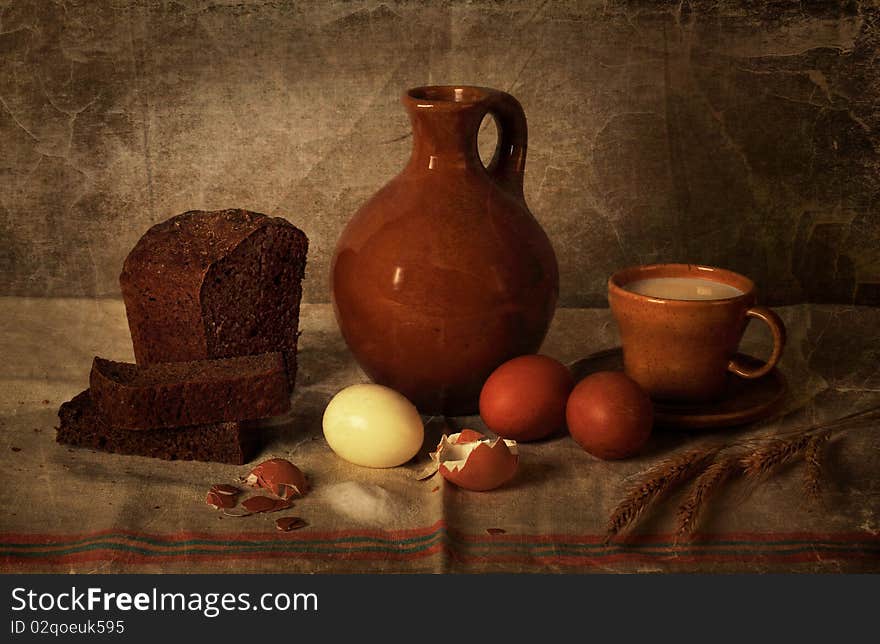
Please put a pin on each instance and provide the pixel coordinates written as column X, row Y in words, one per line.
column 444, row 273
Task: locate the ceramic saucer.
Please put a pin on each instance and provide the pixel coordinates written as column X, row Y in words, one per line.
column 744, row 401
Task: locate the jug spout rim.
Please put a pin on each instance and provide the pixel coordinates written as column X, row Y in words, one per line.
column 446, row 96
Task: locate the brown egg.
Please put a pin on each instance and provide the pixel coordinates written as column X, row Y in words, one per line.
column 524, row 399
column 609, row 415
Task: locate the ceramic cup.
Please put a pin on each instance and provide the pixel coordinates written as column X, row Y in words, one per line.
column 685, row 349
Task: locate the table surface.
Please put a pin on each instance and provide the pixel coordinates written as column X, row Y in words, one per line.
column 85, row 511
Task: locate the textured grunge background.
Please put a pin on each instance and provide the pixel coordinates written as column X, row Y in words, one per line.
column 740, row 134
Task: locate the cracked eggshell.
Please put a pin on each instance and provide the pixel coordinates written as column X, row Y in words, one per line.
column 220, row 501
column 477, row 464
column 281, row 477
column 468, row 436
column 373, row 426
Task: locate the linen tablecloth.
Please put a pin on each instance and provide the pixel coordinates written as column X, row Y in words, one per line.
column 78, row 510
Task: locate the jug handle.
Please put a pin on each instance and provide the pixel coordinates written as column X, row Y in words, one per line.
column 508, row 164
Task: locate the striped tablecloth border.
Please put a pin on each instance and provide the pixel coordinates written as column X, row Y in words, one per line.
column 18, row 552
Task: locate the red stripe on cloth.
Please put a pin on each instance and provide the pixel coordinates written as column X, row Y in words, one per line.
column 94, row 556
column 635, row 557
column 249, row 537
column 708, row 539
column 244, row 537
column 760, row 537
column 581, row 561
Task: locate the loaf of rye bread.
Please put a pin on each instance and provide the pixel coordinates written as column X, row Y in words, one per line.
column 215, row 285
column 176, row 394
column 82, row 426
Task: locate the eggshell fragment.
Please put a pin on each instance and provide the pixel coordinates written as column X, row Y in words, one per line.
column 480, row 464
column 281, row 477
column 373, row 426
column 469, row 436
column 223, row 488
column 220, row 501
column 429, row 470
column 286, row 524
column 257, row 504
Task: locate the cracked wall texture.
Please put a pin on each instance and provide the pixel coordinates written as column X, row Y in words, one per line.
column 739, row 134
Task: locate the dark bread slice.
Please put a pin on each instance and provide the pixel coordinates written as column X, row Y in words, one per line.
column 82, row 426
column 176, row 394
column 215, row 285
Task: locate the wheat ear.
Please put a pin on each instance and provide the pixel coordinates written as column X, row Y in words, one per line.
column 655, row 484
column 813, row 470
column 703, row 489
column 767, row 459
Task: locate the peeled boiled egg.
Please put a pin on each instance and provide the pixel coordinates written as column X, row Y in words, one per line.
column 472, row 461
column 373, row 426
column 609, row 415
column 524, row 399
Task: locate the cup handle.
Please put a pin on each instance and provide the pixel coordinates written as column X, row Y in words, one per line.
column 777, row 328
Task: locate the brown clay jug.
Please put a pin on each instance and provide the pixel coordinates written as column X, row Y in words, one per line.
column 444, row 273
